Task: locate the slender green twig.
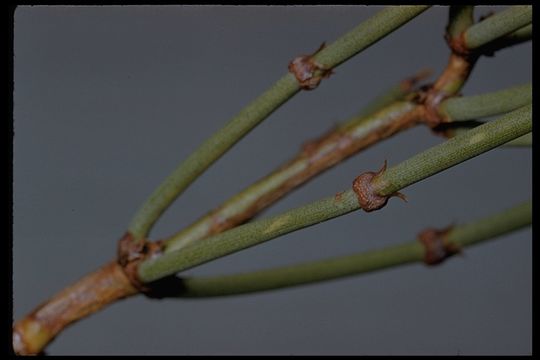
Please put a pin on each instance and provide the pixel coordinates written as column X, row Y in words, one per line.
column 364, row 35
column 347, row 139
column 522, row 141
column 520, row 35
column 460, row 18
column 495, row 225
column 517, row 37
column 367, row 33
column 493, row 103
column 498, row 25
column 248, row 202
column 419, row 167
column 487, row 228
column 465, row 146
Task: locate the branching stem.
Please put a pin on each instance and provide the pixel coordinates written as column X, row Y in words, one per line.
column 364, row 35
column 419, row 167
column 461, row 236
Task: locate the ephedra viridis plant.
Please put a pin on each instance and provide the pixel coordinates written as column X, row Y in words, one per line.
column 153, row 267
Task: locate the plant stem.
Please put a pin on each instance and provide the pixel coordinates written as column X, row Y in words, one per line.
column 487, row 228
column 519, row 36
column 364, row 35
column 472, row 107
column 419, row 167
column 347, row 139
column 88, row 295
column 460, row 18
column 208, row 152
column 498, row 25
column 465, row 146
column 318, row 155
column 367, row 33
column 522, row 141
column 494, row 225
column 246, row 235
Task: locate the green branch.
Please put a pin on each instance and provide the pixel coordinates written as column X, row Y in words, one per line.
column 357, row 131
column 460, row 18
column 364, row 35
column 494, row 103
column 497, row 26
column 367, row 33
column 517, row 37
column 421, row 166
column 522, row 141
column 458, row 149
column 521, row 35
column 462, row 236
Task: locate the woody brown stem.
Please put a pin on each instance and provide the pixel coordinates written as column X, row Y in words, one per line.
column 88, row 295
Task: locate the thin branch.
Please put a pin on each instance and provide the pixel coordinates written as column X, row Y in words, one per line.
column 487, row 228
column 522, row 141
column 517, row 37
column 387, row 183
column 460, row 18
column 364, row 35
column 353, row 136
column 493, row 103
column 367, row 33
column 465, row 146
column 498, row 25
column 317, row 155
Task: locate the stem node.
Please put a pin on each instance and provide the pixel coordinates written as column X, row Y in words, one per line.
column 368, row 198
column 437, row 246
column 309, row 72
column 131, row 253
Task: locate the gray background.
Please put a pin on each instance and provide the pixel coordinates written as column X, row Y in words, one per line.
column 109, row 99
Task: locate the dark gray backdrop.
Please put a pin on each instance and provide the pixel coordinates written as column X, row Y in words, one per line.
column 109, row 99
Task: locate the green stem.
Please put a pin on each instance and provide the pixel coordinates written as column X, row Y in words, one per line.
column 494, row 225
column 458, row 149
column 472, row 107
column 460, row 18
column 429, row 162
column 349, row 138
column 367, row 33
column 498, row 25
column 245, row 236
column 519, row 36
column 464, row 235
column 522, row 141
column 364, row 35
column 208, row 152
